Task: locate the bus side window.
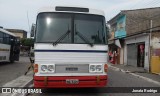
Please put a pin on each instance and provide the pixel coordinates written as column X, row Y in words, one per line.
column 1, row 37
column 6, row 38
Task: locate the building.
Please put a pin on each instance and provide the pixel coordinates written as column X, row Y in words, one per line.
column 135, row 35
column 18, row 32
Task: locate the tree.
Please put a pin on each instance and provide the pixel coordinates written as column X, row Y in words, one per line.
column 27, row 42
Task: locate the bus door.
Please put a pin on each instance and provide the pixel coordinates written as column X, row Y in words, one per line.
column 12, row 43
column 17, row 49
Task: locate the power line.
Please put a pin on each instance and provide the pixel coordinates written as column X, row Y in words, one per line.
column 154, row 2
column 146, row 30
column 150, row 2
column 141, row 24
column 135, row 4
column 140, row 2
column 158, row 2
column 146, row 4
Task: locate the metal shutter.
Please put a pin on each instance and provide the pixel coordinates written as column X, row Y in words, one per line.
column 132, row 54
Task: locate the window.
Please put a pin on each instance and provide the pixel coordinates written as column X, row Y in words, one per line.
column 73, row 28
column 1, row 37
column 50, row 27
column 6, row 38
column 90, row 27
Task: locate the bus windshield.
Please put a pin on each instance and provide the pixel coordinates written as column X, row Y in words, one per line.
column 70, row 28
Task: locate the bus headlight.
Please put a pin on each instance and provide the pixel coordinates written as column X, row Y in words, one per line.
column 50, row 68
column 99, row 68
column 44, row 68
column 95, row 68
column 92, row 68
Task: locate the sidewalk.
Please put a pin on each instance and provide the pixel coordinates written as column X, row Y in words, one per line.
column 136, row 71
column 21, row 82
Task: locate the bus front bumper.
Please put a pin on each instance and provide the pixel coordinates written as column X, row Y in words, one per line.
column 62, row 81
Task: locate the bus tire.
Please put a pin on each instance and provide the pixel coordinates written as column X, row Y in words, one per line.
column 11, row 61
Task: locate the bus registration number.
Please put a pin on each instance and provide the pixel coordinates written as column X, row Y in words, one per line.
column 72, row 81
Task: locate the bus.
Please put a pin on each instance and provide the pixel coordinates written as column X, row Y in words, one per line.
column 70, row 48
column 9, row 46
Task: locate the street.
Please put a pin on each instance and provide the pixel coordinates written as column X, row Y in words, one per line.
column 110, row 45
column 10, row 71
column 116, row 79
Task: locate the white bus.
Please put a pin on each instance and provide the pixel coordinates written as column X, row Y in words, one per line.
column 9, row 46
column 70, row 48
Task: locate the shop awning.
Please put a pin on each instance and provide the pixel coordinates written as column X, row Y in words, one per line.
column 117, row 42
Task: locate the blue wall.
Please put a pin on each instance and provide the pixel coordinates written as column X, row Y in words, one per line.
column 121, row 26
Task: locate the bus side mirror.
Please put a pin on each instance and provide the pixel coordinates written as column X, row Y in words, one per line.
column 33, row 30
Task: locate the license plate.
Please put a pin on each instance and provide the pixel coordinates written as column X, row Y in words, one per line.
column 72, row 81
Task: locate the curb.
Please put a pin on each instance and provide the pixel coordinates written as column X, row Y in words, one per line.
column 26, row 85
column 145, row 78
column 129, row 72
column 22, row 82
column 23, row 94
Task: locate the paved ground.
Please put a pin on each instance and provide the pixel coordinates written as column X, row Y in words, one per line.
column 10, row 71
column 116, row 79
column 120, row 79
column 137, row 70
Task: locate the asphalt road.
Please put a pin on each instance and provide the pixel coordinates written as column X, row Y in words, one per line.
column 116, row 79
column 10, row 71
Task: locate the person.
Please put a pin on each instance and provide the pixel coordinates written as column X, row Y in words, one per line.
column 110, row 55
column 115, row 57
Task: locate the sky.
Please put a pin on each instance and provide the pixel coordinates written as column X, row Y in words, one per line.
column 20, row 14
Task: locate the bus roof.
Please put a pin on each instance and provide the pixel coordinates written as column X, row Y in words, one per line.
column 70, row 9
column 7, row 32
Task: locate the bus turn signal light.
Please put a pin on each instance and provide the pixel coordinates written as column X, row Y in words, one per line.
column 35, row 68
column 105, row 67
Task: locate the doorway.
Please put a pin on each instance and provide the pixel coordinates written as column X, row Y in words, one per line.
column 140, row 54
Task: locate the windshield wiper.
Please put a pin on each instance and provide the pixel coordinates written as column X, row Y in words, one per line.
column 83, row 37
column 61, row 38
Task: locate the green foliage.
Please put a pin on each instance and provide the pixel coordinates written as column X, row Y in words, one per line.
column 27, row 42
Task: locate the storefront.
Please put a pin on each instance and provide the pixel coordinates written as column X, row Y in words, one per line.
column 116, row 51
column 135, row 54
column 136, row 51
column 155, row 53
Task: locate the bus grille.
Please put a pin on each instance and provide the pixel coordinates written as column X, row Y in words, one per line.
column 72, row 68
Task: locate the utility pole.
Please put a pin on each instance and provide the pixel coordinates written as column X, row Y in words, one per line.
column 150, row 43
column 151, row 26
